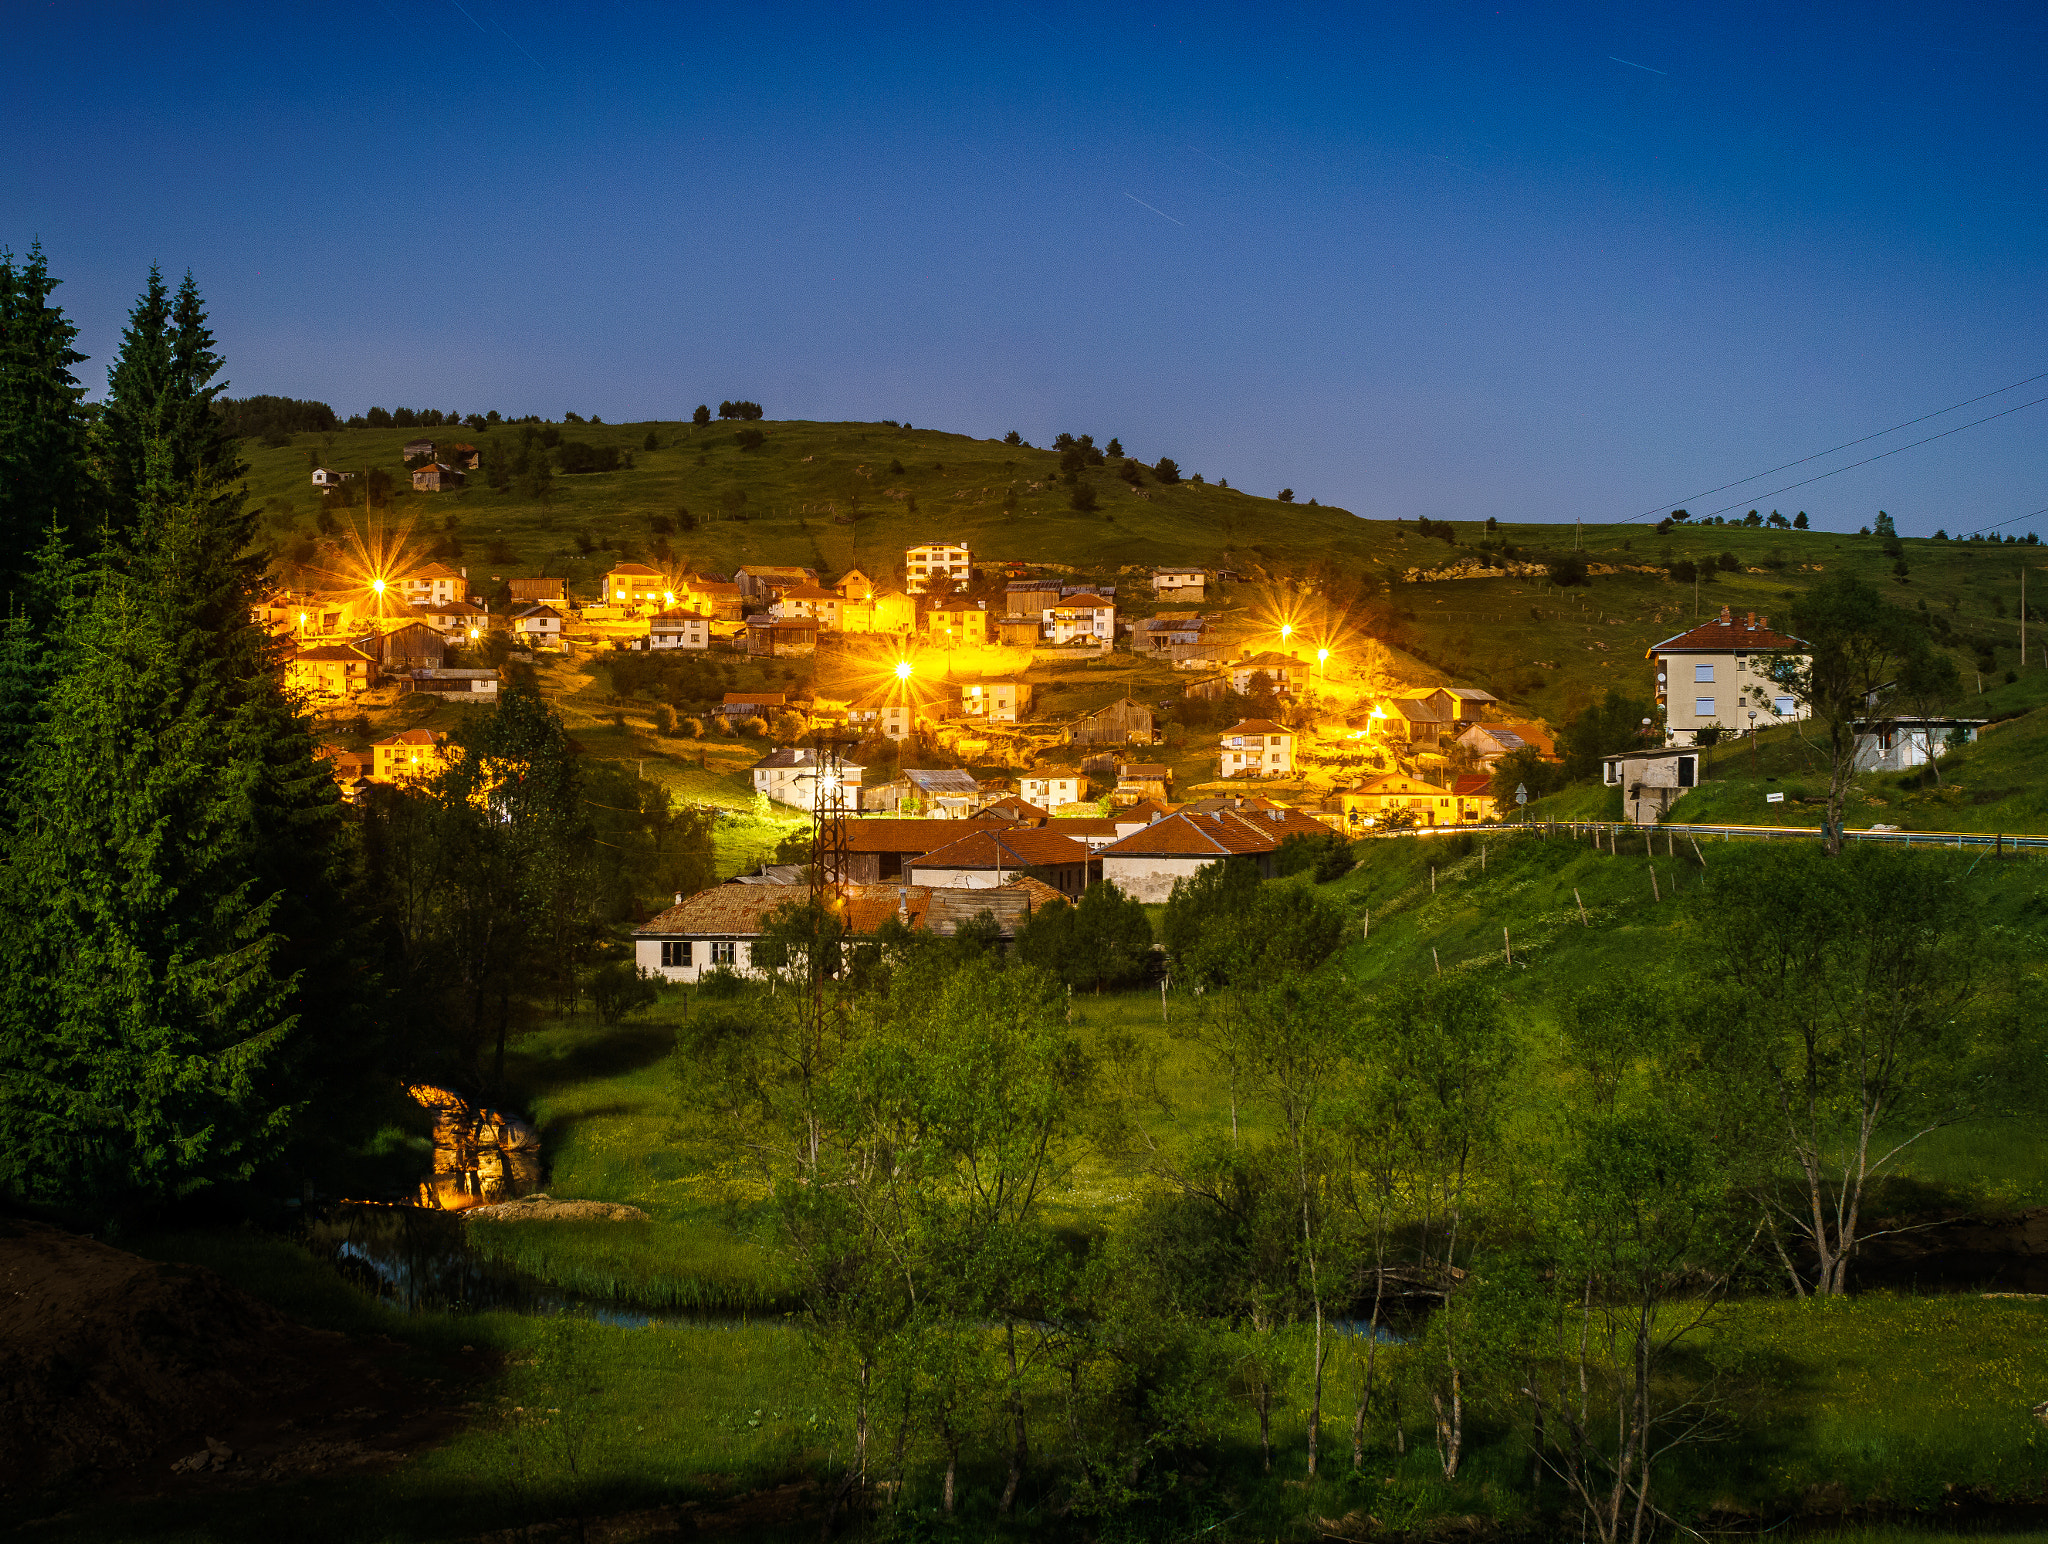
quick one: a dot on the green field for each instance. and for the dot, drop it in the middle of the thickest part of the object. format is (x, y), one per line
(1890, 1402)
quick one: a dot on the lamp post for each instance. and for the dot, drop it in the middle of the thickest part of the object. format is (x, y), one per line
(1322, 663)
(1752, 742)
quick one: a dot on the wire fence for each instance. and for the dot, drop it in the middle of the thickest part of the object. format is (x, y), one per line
(1999, 842)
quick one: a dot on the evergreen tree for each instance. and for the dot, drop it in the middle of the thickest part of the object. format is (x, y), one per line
(186, 971)
(44, 478)
(161, 392)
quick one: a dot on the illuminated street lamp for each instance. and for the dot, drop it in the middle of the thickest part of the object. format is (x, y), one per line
(1322, 661)
(1286, 632)
(903, 670)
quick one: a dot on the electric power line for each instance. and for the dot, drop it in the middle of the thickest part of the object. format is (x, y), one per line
(1824, 476)
(2015, 520)
(1847, 444)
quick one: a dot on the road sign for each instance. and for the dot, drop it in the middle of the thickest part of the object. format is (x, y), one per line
(1774, 798)
(1521, 793)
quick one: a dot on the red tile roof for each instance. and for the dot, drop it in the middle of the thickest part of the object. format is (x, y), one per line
(1727, 634)
(331, 651)
(906, 834)
(997, 849)
(1188, 835)
(1257, 726)
(1470, 784)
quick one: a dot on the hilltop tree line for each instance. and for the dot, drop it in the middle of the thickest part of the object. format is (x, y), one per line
(215, 968)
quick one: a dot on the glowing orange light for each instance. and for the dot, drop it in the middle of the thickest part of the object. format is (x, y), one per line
(903, 668)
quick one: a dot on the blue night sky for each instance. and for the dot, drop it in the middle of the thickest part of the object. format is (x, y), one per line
(1445, 260)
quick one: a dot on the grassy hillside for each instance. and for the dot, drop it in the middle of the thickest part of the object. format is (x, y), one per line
(830, 495)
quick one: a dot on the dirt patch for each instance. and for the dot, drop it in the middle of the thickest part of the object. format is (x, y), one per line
(546, 1209)
(149, 1377)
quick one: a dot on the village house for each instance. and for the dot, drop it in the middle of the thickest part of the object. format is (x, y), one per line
(437, 478)
(957, 622)
(895, 612)
(745, 705)
(946, 792)
(552, 591)
(887, 711)
(1002, 700)
(809, 600)
(883, 848)
(1651, 781)
(635, 589)
(1136, 780)
(435, 585)
(718, 599)
(1081, 620)
(1179, 584)
(327, 477)
(1284, 671)
(1488, 743)
(408, 646)
(1372, 800)
(789, 775)
(1705, 679)
(414, 449)
(350, 769)
(1176, 638)
(1019, 632)
(537, 626)
(992, 856)
(934, 561)
(855, 585)
(463, 456)
(465, 687)
(330, 672)
(1256, 747)
(1146, 863)
(718, 928)
(1473, 796)
(1901, 744)
(1051, 792)
(457, 620)
(303, 615)
(765, 582)
(1031, 597)
(678, 630)
(409, 755)
(1123, 722)
(1464, 704)
(772, 639)
(1018, 812)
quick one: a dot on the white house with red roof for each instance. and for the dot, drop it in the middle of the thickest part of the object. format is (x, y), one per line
(1256, 747)
(1148, 862)
(435, 585)
(1712, 675)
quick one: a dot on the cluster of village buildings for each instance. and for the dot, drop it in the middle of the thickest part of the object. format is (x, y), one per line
(937, 847)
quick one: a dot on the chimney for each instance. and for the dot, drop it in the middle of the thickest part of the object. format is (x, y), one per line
(679, 897)
(903, 905)
(1726, 616)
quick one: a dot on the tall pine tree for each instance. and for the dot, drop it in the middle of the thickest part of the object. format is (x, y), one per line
(45, 479)
(185, 974)
(160, 395)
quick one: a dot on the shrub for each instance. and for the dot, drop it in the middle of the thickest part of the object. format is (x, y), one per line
(756, 727)
(619, 989)
(749, 439)
(1286, 495)
(691, 729)
(1730, 563)
(664, 719)
(1082, 498)
(721, 983)
(722, 722)
(1567, 569)
(702, 416)
(1166, 470)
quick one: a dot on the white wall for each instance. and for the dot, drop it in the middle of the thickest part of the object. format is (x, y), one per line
(960, 879)
(1150, 879)
(647, 955)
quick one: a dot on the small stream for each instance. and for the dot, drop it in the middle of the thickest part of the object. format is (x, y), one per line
(420, 1260)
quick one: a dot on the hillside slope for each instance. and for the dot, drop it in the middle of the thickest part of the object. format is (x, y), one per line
(843, 495)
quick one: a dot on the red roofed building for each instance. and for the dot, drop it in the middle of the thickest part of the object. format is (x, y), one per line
(1712, 676)
(1256, 747)
(1148, 862)
(983, 859)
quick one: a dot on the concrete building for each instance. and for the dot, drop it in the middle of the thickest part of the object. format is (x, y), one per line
(936, 560)
(1650, 781)
(1712, 675)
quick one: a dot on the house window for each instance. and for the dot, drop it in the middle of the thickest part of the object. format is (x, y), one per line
(675, 954)
(1703, 673)
(723, 953)
(1703, 707)
(1785, 706)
